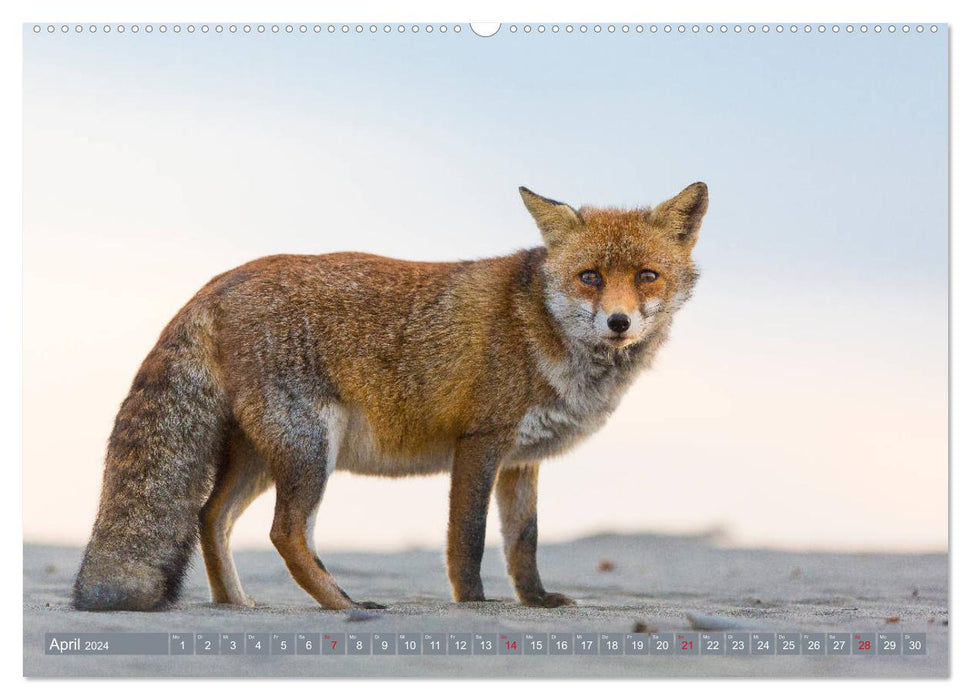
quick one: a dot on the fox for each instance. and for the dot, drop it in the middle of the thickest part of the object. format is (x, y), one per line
(291, 367)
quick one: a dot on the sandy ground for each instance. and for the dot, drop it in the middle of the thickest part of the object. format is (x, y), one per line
(657, 580)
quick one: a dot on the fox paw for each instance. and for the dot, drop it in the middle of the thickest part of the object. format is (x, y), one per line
(547, 600)
(244, 602)
(370, 605)
(474, 597)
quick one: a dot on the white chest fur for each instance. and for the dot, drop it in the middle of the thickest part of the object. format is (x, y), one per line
(588, 386)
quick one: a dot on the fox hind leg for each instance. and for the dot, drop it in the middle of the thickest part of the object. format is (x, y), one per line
(299, 445)
(243, 477)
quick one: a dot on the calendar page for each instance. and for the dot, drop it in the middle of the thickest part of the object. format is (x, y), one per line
(512, 350)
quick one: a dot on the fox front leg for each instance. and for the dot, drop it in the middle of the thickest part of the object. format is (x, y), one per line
(473, 475)
(516, 496)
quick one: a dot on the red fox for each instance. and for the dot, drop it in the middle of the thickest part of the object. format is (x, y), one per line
(289, 367)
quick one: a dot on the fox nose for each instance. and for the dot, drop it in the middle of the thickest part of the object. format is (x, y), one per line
(618, 323)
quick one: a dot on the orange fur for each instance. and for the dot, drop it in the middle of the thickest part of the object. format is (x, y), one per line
(298, 365)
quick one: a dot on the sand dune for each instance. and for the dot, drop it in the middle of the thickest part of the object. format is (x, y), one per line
(618, 580)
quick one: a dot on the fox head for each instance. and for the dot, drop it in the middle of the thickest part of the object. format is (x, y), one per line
(612, 276)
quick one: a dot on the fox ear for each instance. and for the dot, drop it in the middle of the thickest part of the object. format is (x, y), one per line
(554, 219)
(682, 214)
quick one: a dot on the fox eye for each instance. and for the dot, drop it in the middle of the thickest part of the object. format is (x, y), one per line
(591, 277)
(647, 276)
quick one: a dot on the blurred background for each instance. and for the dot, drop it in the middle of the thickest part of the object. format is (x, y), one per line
(802, 401)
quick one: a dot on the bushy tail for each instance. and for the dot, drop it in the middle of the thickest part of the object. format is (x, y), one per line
(159, 471)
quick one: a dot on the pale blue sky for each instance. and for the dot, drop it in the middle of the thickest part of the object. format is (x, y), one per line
(821, 148)
(808, 375)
